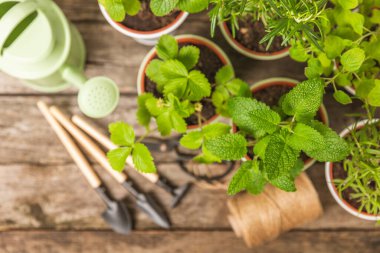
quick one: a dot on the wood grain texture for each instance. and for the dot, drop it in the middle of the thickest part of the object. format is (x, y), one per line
(185, 242)
(47, 206)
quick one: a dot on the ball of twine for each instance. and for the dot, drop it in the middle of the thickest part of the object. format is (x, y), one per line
(262, 218)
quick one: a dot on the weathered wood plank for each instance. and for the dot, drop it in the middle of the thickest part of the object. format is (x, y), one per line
(191, 241)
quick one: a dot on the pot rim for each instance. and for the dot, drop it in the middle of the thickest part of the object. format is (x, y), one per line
(248, 52)
(286, 82)
(144, 34)
(329, 177)
(197, 40)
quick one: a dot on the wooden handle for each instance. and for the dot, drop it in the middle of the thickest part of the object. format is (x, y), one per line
(95, 133)
(71, 147)
(87, 144)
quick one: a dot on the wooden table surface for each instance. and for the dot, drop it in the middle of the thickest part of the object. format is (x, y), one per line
(47, 206)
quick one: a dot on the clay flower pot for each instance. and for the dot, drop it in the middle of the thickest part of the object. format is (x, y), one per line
(264, 56)
(330, 180)
(289, 83)
(148, 38)
(183, 39)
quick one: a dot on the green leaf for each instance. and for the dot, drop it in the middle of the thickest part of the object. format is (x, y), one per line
(154, 106)
(189, 56)
(142, 159)
(353, 59)
(227, 147)
(192, 140)
(304, 99)
(162, 7)
(198, 86)
(172, 69)
(247, 177)
(117, 157)
(279, 158)
(335, 148)
(193, 6)
(178, 122)
(306, 138)
(164, 123)
(344, 79)
(239, 88)
(167, 47)
(297, 169)
(153, 71)
(314, 68)
(348, 4)
(342, 97)
(285, 183)
(261, 146)
(122, 134)
(143, 114)
(115, 8)
(298, 53)
(334, 46)
(253, 116)
(375, 18)
(224, 75)
(374, 94)
(364, 88)
(132, 7)
(206, 157)
(215, 130)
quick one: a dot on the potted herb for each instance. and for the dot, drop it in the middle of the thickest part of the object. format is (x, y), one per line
(263, 29)
(147, 20)
(349, 55)
(277, 135)
(355, 182)
(270, 91)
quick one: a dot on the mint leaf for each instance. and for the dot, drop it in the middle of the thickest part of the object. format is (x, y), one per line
(192, 140)
(374, 94)
(314, 68)
(142, 159)
(162, 7)
(253, 116)
(304, 99)
(247, 177)
(298, 53)
(227, 147)
(342, 97)
(154, 73)
(167, 47)
(193, 6)
(132, 7)
(353, 59)
(335, 148)
(215, 130)
(306, 138)
(334, 46)
(115, 8)
(122, 134)
(117, 157)
(364, 88)
(239, 88)
(261, 146)
(189, 56)
(279, 158)
(297, 169)
(207, 157)
(143, 114)
(224, 75)
(285, 183)
(198, 86)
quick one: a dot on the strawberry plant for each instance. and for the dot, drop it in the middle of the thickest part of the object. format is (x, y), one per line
(118, 9)
(277, 138)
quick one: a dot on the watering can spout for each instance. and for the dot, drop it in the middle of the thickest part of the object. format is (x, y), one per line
(73, 75)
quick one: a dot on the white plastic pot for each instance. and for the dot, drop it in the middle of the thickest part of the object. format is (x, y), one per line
(187, 38)
(267, 56)
(330, 179)
(148, 38)
(290, 83)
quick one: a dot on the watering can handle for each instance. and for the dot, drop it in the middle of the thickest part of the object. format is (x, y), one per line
(13, 18)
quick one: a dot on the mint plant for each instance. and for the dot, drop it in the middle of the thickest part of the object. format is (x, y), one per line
(277, 138)
(118, 9)
(183, 88)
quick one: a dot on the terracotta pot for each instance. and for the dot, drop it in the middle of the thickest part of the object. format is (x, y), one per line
(267, 56)
(148, 38)
(195, 40)
(290, 83)
(330, 180)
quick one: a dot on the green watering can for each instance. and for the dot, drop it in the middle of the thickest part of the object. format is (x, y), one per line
(39, 46)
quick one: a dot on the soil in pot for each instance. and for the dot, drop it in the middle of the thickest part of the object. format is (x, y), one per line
(251, 32)
(209, 64)
(145, 20)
